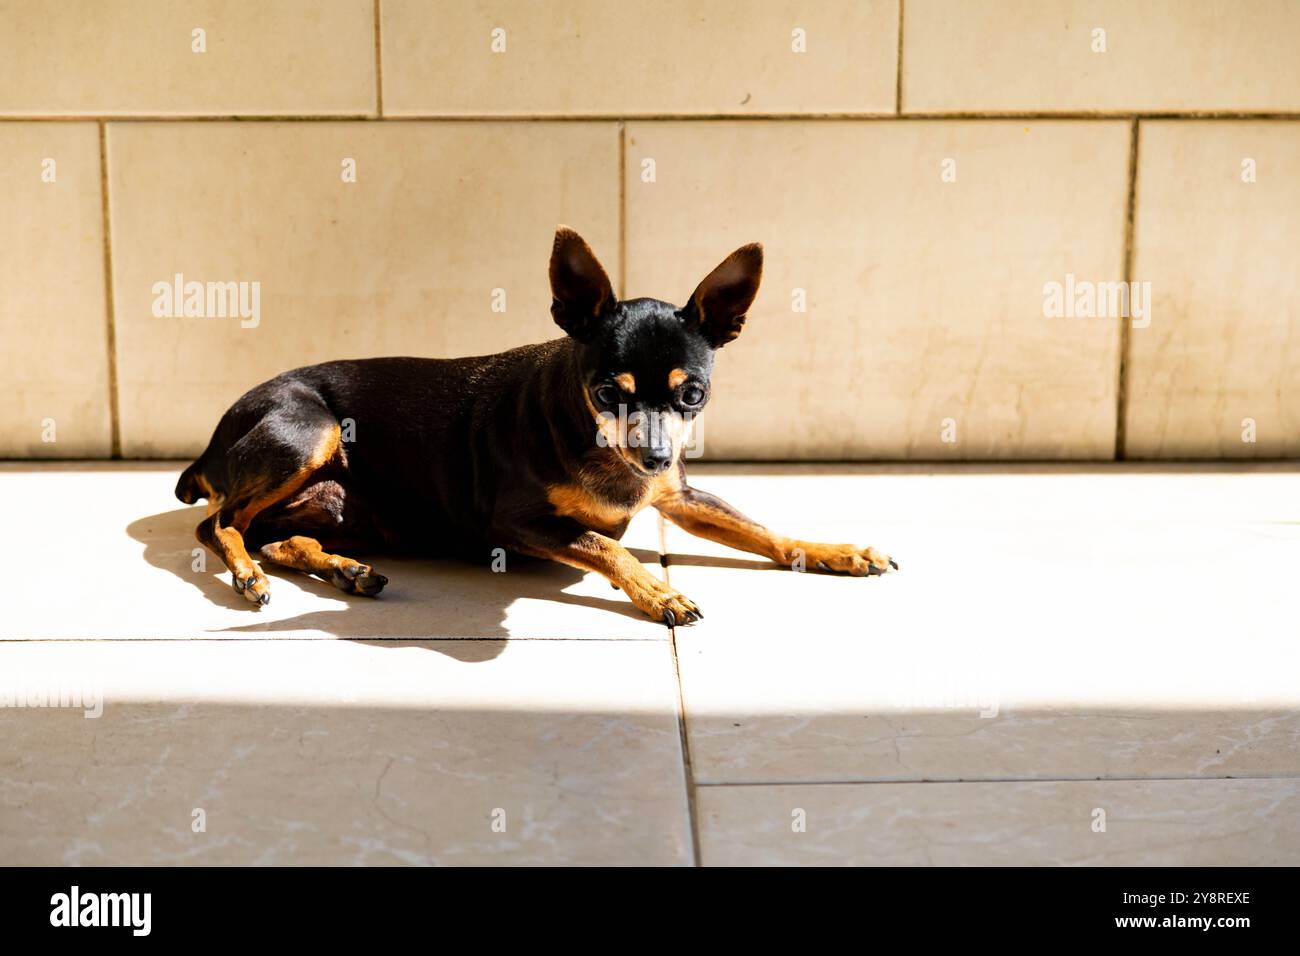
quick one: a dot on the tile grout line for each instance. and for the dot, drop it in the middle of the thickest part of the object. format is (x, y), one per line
(875, 466)
(355, 639)
(688, 770)
(622, 215)
(1174, 778)
(1191, 116)
(1121, 372)
(110, 313)
(898, 77)
(379, 65)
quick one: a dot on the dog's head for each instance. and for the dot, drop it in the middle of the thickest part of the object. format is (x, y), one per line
(645, 364)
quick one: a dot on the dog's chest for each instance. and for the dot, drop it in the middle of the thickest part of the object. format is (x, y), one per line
(594, 511)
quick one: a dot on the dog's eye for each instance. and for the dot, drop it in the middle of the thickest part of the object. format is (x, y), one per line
(692, 395)
(607, 395)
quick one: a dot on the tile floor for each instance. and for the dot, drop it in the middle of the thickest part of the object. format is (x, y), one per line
(1075, 665)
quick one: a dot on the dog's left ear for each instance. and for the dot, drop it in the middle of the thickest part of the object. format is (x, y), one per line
(720, 302)
(580, 291)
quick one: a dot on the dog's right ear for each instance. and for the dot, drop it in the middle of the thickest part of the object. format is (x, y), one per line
(581, 295)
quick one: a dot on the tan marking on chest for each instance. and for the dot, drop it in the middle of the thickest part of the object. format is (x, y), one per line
(665, 486)
(573, 500)
(576, 502)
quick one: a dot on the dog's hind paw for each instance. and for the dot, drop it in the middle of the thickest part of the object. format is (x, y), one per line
(253, 586)
(358, 579)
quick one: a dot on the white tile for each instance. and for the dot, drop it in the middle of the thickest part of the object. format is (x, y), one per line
(1068, 626)
(53, 307)
(1047, 55)
(445, 225)
(332, 752)
(124, 57)
(686, 57)
(902, 312)
(124, 567)
(1216, 372)
(1146, 823)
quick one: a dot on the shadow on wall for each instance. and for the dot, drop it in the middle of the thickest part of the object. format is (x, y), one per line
(424, 599)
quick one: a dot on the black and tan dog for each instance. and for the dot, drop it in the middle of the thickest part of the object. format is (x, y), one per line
(547, 450)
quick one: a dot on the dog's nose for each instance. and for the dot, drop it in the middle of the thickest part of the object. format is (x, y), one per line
(656, 461)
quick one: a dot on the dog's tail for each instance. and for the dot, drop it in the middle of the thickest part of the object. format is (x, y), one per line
(189, 489)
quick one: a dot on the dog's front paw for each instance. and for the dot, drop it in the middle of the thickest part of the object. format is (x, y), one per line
(847, 559)
(668, 607)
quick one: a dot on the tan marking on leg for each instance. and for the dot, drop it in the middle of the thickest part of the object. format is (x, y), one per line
(326, 450)
(226, 538)
(305, 554)
(703, 515)
(595, 552)
(733, 530)
(228, 545)
(302, 554)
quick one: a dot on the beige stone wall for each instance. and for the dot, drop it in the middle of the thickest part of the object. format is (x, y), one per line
(921, 172)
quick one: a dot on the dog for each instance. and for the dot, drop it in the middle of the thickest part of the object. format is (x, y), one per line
(546, 450)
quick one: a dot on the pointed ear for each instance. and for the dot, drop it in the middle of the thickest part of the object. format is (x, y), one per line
(580, 291)
(720, 302)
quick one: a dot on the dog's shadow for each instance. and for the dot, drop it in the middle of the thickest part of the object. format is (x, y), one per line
(463, 610)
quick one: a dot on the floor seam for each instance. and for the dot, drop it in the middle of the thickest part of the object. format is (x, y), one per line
(688, 772)
(887, 783)
(323, 640)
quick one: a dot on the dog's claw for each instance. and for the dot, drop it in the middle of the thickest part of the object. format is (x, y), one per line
(670, 619)
(893, 564)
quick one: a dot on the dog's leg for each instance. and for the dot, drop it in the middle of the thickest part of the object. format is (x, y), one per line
(305, 554)
(706, 516)
(265, 469)
(568, 543)
(217, 531)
